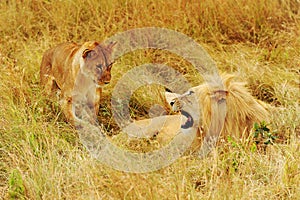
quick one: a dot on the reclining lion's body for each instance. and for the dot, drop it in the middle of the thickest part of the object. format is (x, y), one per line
(242, 111)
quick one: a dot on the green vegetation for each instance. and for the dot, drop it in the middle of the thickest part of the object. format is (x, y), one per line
(263, 132)
(41, 156)
(16, 187)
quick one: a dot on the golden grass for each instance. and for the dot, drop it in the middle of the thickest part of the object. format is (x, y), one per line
(41, 156)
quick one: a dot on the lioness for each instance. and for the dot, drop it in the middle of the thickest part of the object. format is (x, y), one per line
(78, 72)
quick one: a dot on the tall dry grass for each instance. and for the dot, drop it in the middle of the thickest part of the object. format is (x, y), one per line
(41, 156)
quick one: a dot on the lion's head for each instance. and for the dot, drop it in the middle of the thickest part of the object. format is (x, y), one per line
(96, 61)
(231, 100)
(188, 105)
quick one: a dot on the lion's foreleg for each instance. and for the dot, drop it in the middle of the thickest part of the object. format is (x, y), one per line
(97, 100)
(67, 108)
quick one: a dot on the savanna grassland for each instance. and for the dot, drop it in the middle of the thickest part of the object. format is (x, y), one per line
(41, 156)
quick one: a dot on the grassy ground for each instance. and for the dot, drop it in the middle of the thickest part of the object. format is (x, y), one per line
(41, 156)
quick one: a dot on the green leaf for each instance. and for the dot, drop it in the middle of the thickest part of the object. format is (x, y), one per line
(256, 126)
(253, 148)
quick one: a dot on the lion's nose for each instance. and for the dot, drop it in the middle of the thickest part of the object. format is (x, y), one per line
(172, 102)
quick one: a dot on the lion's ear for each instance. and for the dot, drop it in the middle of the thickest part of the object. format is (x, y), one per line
(87, 53)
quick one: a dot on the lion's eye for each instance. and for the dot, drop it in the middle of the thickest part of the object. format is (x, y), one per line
(189, 93)
(99, 66)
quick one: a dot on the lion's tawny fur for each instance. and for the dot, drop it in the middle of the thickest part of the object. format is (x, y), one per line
(243, 110)
(78, 71)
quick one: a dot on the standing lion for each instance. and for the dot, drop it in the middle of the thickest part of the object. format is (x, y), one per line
(78, 72)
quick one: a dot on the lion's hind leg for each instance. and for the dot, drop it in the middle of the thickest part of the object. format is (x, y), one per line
(47, 79)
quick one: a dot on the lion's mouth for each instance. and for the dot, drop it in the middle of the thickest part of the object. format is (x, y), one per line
(189, 122)
(98, 84)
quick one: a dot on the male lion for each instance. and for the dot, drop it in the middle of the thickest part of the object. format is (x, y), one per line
(228, 109)
(78, 72)
(242, 109)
